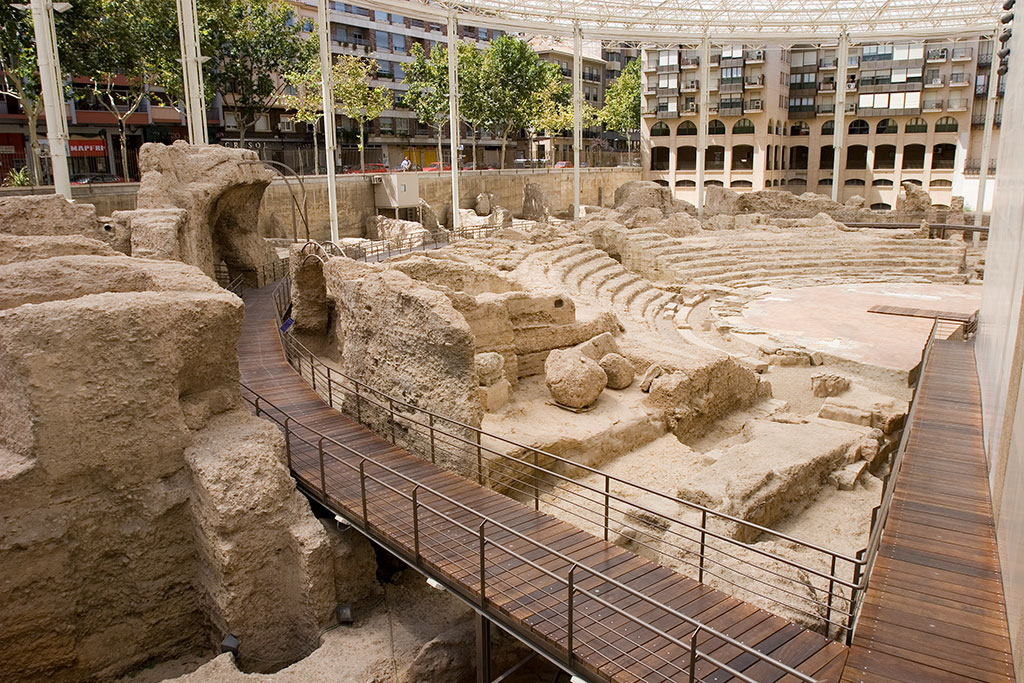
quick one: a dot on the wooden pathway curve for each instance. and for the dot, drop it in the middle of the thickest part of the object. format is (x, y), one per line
(618, 632)
(934, 608)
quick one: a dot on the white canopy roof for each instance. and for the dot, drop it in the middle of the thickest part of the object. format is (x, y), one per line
(726, 21)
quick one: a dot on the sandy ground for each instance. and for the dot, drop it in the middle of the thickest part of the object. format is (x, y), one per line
(834, 319)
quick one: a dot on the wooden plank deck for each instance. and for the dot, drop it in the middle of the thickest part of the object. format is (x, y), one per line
(922, 313)
(522, 598)
(934, 608)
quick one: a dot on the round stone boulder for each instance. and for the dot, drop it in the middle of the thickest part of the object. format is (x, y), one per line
(618, 370)
(490, 367)
(573, 379)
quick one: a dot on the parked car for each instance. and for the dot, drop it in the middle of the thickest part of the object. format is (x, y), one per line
(370, 168)
(436, 166)
(563, 164)
(95, 178)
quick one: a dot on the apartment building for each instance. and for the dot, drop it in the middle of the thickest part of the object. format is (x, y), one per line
(913, 112)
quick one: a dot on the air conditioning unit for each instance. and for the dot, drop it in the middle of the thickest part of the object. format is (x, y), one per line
(691, 106)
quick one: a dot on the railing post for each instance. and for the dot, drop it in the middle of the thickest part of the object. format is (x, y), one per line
(536, 479)
(831, 587)
(854, 594)
(483, 568)
(257, 406)
(330, 388)
(415, 524)
(362, 492)
(359, 405)
(430, 418)
(479, 461)
(323, 474)
(287, 442)
(693, 654)
(391, 416)
(570, 613)
(312, 372)
(703, 532)
(607, 490)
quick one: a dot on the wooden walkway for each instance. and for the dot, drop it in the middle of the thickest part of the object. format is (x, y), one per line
(528, 554)
(934, 608)
(922, 313)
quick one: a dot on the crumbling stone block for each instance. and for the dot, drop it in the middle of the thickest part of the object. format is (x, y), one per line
(619, 370)
(827, 384)
(573, 379)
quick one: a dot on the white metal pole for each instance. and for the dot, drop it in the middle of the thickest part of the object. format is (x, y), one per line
(53, 94)
(986, 141)
(577, 115)
(702, 118)
(330, 133)
(453, 115)
(192, 72)
(839, 116)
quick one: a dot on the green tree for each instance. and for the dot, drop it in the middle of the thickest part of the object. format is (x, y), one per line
(307, 102)
(474, 105)
(512, 76)
(427, 96)
(360, 102)
(621, 111)
(254, 40)
(120, 50)
(19, 71)
(554, 110)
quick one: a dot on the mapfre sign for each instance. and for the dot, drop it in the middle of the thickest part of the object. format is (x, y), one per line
(88, 148)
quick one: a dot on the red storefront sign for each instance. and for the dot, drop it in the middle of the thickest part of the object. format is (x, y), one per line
(88, 148)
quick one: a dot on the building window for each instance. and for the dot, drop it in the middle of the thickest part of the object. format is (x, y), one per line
(947, 124)
(887, 127)
(686, 158)
(659, 158)
(828, 156)
(913, 157)
(857, 157)
(885, 156)
(686, 128)
(859, 127)
(716, 127)
(659, 129)
(916, 125)
(714, 158)
(742, 158)
(743, 127)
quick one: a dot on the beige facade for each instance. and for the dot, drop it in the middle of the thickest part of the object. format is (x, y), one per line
(913, 112)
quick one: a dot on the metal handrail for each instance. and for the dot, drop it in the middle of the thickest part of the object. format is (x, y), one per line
(572, 586)
(940, 228)
(835, 595)
(382, 250)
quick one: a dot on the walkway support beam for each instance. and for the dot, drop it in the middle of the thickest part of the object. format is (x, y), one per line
(192, 72)
(702, 119)
(53, 94)
(839, 116)
(577, 116)
(453, 115)
(986, 140)
(330, 133)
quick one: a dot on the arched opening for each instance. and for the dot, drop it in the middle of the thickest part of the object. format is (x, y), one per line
(947, 124)
(716, 183)
(943, 156)
(714, 158)
(662, 182)
(885, 156)
(913, 156)
(743, 127)
(660, 129)
(941, 182)
(686, 183)
(854, 182)
(768, 158)
(825, 181)
(742, 158)
(798, 157)
(859, 127)
(799, 128)
(881, 182)
(828, 128)
(828, 156)
(686, 128)
(916, 125)
(857, 157)
(659, 158)
(913, 181)
(887, 127)
(881, 206)
(741, 183)
(716, 127)
(686, 158)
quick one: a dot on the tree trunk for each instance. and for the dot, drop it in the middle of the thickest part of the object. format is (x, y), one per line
(440, 150)
(362, 156)
(316, 152)
(504, 141)
(122, 127)
(35, 168)
(242, 125)
(472, 130)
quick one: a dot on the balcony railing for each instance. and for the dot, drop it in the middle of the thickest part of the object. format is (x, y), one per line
(985, 59)
(932, 105)
(827, 86)
(828, 63)
(753, 56)
(973, 167)
(851, 85)
(962, 54)
(689, 62)
(690, 86)
(756, 82)
(956, 105)
(978, 120)
(937, 55)
(753, 106)
(935, 82)
(959, 81)
(826, 109)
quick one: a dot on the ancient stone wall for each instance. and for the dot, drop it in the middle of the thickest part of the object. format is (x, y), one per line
(145, 513)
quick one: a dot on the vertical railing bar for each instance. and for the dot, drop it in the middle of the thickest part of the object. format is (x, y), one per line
(330, 388)
(693, 654)
(570, 613)
(362, 492)
(607, 490)
(391, 415)
(483, 568)
(433, 456)
(703, 547)
(312, 372)
(479, 460)
(257, 405)
(287, 442)
(323, 474)
(415, 524)
(536, 481)
(831, 587)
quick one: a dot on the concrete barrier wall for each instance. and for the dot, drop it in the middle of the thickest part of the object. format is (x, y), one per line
(355, 196)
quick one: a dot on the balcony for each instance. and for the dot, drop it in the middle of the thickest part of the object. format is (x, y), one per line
(937, 55)
(689, 62)
(980, 89)
(670, 91)
(828, 63)
(826, 109)
(932, 105)
(956, 105)
(978, 120)
(730, 109)
(753, 106)
(751, 83)
(810, 85)
(827, 86)
(801, 111)
(731, 85)
(614, 66)
(667, 114)
(851, 86)
(850, 108)
(959, 81)
(593, 78)
(668, 68)
(963, 54)
(935, 82)
(852, 62)
(985, 59)
(690, 109)
(713, 108)
(972, 167)
(753, 56)
(690, 86)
